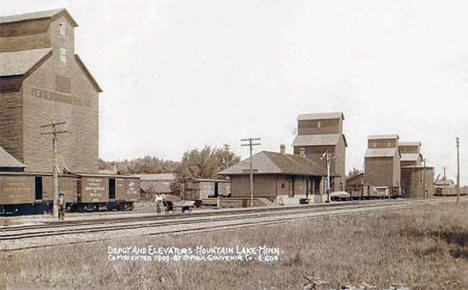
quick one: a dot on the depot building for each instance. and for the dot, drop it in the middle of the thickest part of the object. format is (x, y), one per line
(43, 80)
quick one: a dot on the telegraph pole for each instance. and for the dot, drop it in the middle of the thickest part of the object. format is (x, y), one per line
(424, 178)
(458, 170)
(55, 170)
(327, 155)
(251, 144)
(443, 187)
(225, 163)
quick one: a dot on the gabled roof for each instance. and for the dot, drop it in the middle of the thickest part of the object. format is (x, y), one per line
(38, 15)
(317, 140)
(321, 116)
(266, 162)
(17, 63)
(88, 74)
(410, 156)
(6, 160)
(380, 152)
(391, 136)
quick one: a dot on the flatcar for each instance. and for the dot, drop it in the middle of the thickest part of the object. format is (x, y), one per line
(23, 193)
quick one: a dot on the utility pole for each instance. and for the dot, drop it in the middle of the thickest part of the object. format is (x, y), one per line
(424, 177)
(225, 165)
(55, 170)
(458, 170)
(328, 156)
(443, 187)
(251, 144)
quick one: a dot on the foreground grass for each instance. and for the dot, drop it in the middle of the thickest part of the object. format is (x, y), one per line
(422, 248)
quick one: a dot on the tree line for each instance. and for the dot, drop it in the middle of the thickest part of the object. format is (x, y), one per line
(204, 162)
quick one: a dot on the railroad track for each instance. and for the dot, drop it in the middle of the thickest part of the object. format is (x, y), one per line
(161, 222)
(175, 216)
(172, 216)
(192, 224)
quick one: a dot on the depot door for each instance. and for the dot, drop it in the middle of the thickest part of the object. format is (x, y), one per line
(111, 188)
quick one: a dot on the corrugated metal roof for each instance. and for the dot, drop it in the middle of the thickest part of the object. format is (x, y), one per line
(6, 160)
(36, 15)
(390, 136)
(380, 152)
(266, 162)
(315, 140)
(409, 156)
(321, 116)
(20, 62)
(409, 143)
(158, 176)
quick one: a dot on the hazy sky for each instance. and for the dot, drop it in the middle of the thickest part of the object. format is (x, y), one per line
(181, 74)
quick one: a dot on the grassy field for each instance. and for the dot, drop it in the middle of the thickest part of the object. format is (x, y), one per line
(421, 248)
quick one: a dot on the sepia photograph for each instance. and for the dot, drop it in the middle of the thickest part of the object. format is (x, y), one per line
(250, 144)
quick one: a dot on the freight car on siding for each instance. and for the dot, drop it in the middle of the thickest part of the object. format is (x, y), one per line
(110, 191)
(198, 189)
(26, 193)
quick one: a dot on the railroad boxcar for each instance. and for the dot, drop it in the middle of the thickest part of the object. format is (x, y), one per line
(110, 191)
(22, 192)
(18, 191)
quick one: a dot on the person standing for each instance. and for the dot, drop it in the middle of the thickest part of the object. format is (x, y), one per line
(158, 200)
(61, 207)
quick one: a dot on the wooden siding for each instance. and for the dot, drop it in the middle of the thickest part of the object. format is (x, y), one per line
(382, 143)
(311, 127)
(79, 148)
(11, 124)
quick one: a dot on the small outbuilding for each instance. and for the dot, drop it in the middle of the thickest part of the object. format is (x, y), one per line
(444, 186)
